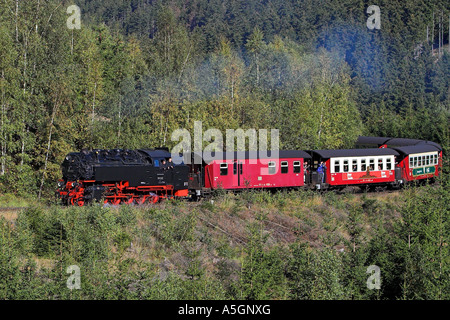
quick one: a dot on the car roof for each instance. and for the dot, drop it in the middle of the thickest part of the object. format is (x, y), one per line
(393, 142)
(339, 153)
(418, 148)
(208, 157)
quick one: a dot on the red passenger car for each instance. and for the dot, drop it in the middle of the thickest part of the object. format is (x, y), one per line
(418, 159)
(355, 167)
(259, 169)
(421, 161)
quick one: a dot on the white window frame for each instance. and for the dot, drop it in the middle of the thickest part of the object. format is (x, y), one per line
(338, 161)
(284, 164)
(389, 160)
(272, 165)
(353, 160)
(222, 167)
(422, 157)
(295, 165)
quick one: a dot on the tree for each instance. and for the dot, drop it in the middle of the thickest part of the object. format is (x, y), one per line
(8, 89)
(262, 273)
(420, 250)
(255, 45)
(315, 275)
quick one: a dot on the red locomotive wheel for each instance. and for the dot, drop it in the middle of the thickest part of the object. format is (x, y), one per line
(77, 202)
(153, 199)
(140, 201)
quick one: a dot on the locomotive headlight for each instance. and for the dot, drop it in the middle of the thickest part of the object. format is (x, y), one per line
(73, 184)
(60, 184)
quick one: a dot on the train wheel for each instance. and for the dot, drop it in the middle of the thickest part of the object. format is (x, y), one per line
(116, 202)
(153, 199)
(80, 202)
(140, 200)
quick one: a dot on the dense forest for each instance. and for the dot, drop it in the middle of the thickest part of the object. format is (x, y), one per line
(137, 70)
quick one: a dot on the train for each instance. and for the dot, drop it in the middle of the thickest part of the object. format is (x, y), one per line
(144, 176)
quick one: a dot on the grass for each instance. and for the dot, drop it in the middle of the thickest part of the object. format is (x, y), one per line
(9, 215)
(9, 200)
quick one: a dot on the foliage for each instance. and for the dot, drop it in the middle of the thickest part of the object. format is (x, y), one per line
(173, 251)
(138, 70)
(154, 67)
(262, 270)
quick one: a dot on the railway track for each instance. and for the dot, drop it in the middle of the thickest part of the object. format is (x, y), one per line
(3, 209)
(340, 192)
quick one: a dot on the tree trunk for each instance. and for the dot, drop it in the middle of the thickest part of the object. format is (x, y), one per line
(3, 133)
(118, 133)
(37, 15)
(17, 20)
(93, 102)
(24, 92)
(48, 146)
(432, 35)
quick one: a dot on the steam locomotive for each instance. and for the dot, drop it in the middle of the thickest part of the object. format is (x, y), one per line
(147, 176)
(121, 176)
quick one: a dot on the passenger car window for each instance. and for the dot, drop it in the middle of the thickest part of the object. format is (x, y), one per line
(371, 164)
(355, 165)
(296, 167)
(284, 167)
(345, 165)
(224, 169)
(337, 166)
(272, 168)
(389, 164)
(380, 164)
(363, 165)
